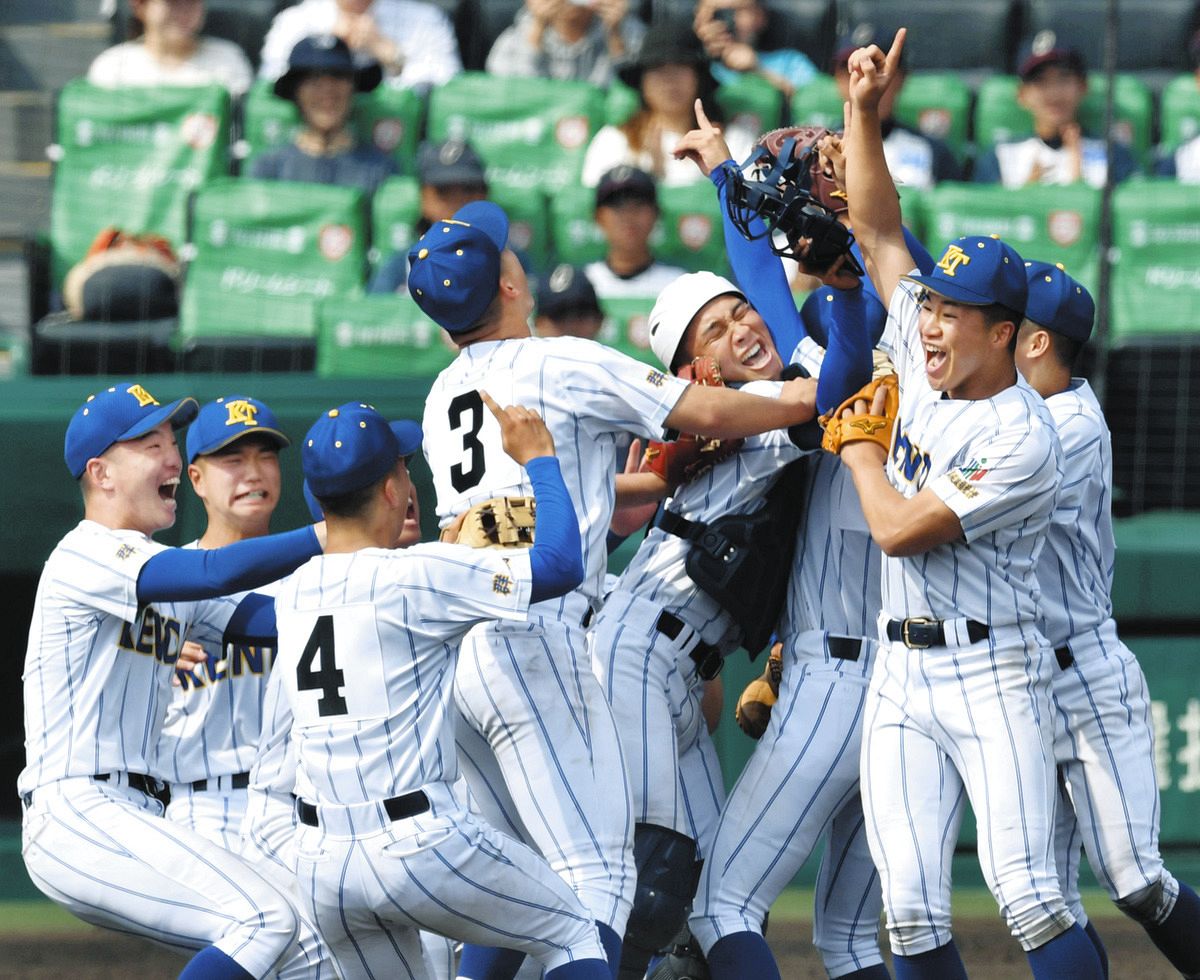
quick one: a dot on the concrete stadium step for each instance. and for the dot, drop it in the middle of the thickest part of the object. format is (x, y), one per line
(47, 56)
(25, 191)
(26, 126)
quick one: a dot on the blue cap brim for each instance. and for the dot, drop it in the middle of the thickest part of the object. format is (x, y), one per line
(951, 290)
(279, 438)
(179, 413)
(489, 218)
(408, 435)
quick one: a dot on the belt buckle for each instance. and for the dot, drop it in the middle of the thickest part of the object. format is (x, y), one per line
(916, 621)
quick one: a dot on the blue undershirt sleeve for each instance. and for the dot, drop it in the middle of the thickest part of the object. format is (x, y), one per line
(847, 363)
(556, 559)
(253, 620)
(181, 574)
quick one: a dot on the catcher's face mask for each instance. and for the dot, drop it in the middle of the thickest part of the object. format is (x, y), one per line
(782, 183)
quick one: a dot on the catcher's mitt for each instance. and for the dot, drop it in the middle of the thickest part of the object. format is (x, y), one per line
(754, 705)
(691, 456)
(501, 522)
(875, 428)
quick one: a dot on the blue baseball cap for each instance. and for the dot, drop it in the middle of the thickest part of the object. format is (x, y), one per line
(1058, 302)
(455, 265)
(228, 419)
(408, 435)
(978, 271)
(120, 413)
(348, 448)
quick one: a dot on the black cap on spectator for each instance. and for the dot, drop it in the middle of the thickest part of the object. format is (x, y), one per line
(324, 54)
(450, 163)
(1044, 50)
(565, 291)
(626, 183)
(669, 42)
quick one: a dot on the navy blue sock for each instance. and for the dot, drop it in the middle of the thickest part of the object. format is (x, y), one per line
(612, 945)
(211, 964)
(579, 970)
(489, 962)
(742, 954)
(1068, 956)
(942, 963)
(1176, 936)
(876, 972)
(1094, 936)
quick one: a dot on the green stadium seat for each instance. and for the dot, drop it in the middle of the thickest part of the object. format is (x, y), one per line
(577, 238)
(378, 337)
(129, 158)
(939, 105)
(265, 253)
(531, 132)
(395, 211)
(691, 226)
(626, 326)
(620, 103)
(752, 102)
(529, 221)
(1042, 222)
(999, 119)
(1156, 269)
(390, 119)
(818, 104)
(1180, 111)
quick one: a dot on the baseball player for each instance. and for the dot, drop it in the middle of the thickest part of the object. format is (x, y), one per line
(959, 700)
(543, 732)
(1104, 741)
(112, 610)
(367, 641)
(659, 636)
(210, 735)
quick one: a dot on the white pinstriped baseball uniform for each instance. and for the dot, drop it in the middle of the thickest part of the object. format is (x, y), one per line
(528, 688)
(1104, 736)
(367, 645)
(965, 716)
(649, 678)
(801, 783)
(97, 683)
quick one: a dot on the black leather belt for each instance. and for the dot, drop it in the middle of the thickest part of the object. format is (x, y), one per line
(1064, 656)
(396, 807)
(239, 780)
(919, 633)
(705, 656)
(844, 647)
(143, 784)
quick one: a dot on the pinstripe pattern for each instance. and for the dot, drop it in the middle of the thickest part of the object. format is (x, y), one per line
(443, 871)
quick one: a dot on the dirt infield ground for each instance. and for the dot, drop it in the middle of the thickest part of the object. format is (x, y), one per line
(90, 954)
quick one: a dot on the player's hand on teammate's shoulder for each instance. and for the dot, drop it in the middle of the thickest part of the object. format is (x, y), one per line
(522, 430)
(801, 395)
(872, 72)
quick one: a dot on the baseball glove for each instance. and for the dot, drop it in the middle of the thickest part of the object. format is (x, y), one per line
(501, 522)
(755, 702)
(840, 432)
(691, 456)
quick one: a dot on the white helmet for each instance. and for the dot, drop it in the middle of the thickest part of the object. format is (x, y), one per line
(677, 305)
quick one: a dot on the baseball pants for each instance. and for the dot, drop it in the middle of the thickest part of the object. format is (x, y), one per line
(214, 813)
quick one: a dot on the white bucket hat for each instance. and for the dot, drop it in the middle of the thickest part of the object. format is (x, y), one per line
(678, 304)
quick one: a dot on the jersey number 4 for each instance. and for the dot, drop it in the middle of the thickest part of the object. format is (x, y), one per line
(327, 678)
(466, 411)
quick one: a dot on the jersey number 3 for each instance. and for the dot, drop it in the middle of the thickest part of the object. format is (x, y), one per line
(327, 678)
(470, 405)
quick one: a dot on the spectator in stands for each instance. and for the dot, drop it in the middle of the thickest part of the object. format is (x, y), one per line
(321, 79)
(567, 305)
(451, 174)
(626, 212)
(413, 41)
(915, 159)
(1184, 161)
(1053, 85)
(167, 48)
(670, 73)
(732, 32)
(568, 41)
